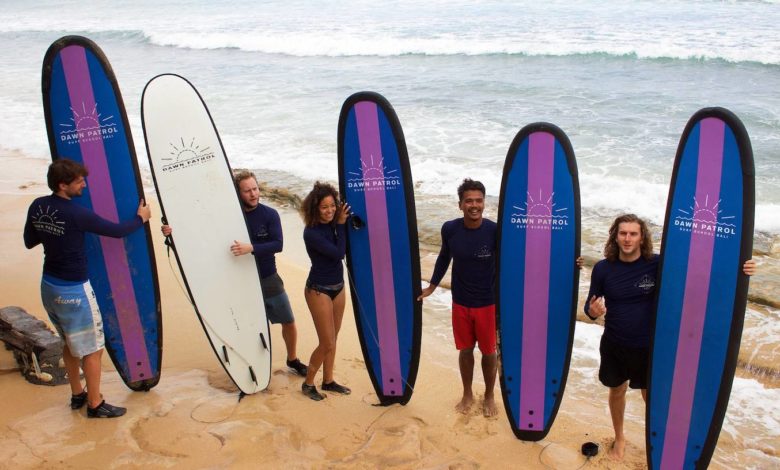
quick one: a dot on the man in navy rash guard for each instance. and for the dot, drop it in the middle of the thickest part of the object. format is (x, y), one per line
(59, 224)
(624, 283)
(265, 231)
(266, 239)
(470, 242)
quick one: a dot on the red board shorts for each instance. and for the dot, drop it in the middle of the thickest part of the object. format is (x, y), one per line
(472, 325)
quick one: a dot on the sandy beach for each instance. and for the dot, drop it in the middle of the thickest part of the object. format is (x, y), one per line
(193, 418)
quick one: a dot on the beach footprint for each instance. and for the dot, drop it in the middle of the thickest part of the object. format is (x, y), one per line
(389, 447)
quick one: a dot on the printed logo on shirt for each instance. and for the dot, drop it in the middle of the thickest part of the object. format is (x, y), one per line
(483, 253)
(539, 212)
(45, 220)
(262, 233)
(705, 218)
(373, 176)
(87, 125)
(185, 154)
(646, 283)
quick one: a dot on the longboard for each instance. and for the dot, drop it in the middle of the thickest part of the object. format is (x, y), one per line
(383, 257)
(86, 122)
(702, 294)
(536, 289)
(195, 187)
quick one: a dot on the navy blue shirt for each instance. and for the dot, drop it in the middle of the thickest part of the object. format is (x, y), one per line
(326, 247)
(265, 233)
(60, 224)
(472, 251)
(629, 295)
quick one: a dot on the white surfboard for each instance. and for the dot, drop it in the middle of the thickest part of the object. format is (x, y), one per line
(199, 201)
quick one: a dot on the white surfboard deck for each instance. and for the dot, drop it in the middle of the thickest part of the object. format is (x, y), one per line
(198, 198)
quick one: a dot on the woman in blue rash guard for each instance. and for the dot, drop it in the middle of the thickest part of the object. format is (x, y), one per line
(325, 239)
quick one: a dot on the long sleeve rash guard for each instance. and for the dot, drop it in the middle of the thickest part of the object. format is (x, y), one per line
(60, 224)
(472, 252)
(326, 247)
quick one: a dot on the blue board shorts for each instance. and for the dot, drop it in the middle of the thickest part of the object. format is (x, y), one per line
(74, 312)
(277, 304)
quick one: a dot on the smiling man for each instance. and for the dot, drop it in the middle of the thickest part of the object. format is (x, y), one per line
(624, 283)
(470, 241)
(622, 287)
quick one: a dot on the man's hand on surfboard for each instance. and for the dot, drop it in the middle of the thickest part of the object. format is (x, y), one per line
(427, 291)
(238, 248)
(749, 268)
(144, 211)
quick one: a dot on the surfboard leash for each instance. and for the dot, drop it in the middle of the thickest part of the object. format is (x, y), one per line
(587, 457)
(225, 344)
(360, 309)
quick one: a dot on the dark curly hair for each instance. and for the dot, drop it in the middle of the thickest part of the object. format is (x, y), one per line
(469, 184)
(64, 171)
(611, 248)
(310, 207)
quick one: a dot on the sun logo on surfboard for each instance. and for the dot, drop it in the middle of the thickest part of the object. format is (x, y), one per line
(539, 212)
(706, 218)
(87, 124)
(183, 154)
(45, 220)
(373, 176)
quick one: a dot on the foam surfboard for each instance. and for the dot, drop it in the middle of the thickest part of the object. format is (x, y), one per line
(86, 122)
(198, 198)
(702, 293)
(536, 289)
(382, 252)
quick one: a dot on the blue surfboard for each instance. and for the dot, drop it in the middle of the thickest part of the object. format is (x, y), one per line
(536, 290)
(383, 257)
(702, 294)
(86, 122)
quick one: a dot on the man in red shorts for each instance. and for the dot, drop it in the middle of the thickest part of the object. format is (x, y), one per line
(470, 241)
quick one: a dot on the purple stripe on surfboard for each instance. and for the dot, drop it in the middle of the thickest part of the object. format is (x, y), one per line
(379, 243)
(697, 282)
(541, 157)
(79, 84)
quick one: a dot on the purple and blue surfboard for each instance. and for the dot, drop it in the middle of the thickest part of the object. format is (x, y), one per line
(536, 288)
(702, 294)
(86, 122)
(383, 257)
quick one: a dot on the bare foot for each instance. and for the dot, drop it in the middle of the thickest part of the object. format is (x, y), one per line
(489, 408)
(617, 450)
(465, 404)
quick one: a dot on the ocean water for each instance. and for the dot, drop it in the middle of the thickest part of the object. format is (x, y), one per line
(621, 78)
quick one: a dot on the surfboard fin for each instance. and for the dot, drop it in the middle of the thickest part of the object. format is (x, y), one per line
(262, 340)
(252, 373)
(225, 354)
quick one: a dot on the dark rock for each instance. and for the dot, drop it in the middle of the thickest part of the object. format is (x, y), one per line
(32, 341)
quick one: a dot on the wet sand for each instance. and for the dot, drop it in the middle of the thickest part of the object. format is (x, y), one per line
(193, 418)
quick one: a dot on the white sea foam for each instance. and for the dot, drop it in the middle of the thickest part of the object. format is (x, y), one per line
(681, 30)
